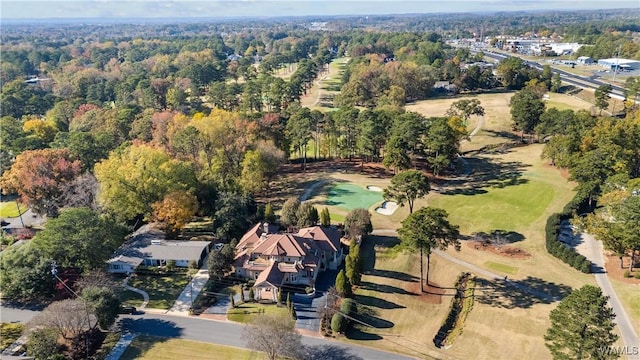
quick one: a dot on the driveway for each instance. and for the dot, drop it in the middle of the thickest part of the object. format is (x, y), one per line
(308, 308)
(592, 249)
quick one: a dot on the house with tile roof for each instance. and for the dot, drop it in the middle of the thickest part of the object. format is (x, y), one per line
(276, 259)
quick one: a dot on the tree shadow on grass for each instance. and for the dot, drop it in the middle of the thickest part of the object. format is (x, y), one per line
(377, 302)
(389, 289)
(523, 293)
(368, 249)
(486, 173)
(359, 333)
(329, 352)
(393, 275)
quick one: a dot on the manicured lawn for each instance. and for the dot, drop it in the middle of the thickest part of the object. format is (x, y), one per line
(350, 196)
(10, 332)
(497, 208)
(244, 313)
(501, 267)
(163, 290)
(154, 348)
(130, 298)
(8, 209)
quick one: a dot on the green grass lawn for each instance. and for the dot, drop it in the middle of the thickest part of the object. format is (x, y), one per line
(350, 196)
(498, 208)
(244, 313)
(130, 298)
(9, 333)
(154, 348)
(507, 269)
(8, 209)
(163, 290)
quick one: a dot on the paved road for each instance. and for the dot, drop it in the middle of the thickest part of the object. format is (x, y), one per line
(14, 314)
(230, 334)
(592, 249)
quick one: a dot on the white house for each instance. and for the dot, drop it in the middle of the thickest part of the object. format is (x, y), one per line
(147, 246)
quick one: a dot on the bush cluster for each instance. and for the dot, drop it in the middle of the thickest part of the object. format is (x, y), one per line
(552, 230)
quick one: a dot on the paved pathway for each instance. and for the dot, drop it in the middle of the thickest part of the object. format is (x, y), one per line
(593, 250)
(121, 346)
(185, 301)
(144, 294)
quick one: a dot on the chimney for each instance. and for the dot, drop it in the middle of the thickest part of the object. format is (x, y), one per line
(265, 227)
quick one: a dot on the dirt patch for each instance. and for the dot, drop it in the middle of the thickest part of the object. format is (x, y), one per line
(511, 252)
(432, 294)
(612, 265)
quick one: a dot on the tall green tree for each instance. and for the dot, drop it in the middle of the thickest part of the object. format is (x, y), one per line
(26, 273)
(428, 229)
(343, 286)
(325, 217)
(581, 326)
(406, 187)
(79, 238)
(289, 213)
(358, 224)
(602, 97)
(103, 302)
(526, 109)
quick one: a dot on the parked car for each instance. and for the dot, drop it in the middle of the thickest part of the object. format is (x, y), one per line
(127, 310)
(218, 246)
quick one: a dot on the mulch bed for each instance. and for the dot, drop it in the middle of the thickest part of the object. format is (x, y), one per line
(502, 250)
(612, 265)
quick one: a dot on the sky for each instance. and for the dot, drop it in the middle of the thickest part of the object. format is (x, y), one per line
(43, 9)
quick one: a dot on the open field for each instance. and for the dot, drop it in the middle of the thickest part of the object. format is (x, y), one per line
(245, 313)
(154, 348)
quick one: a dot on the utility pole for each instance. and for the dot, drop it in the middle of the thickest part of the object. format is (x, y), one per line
(20, 214)
(54, 272)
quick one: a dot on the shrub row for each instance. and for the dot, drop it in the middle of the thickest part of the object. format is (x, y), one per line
(461, 304)
(552, 230)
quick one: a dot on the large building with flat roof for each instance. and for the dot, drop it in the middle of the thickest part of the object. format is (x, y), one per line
(618, 63)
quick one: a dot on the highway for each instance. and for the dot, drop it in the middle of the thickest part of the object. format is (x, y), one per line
(567, 77)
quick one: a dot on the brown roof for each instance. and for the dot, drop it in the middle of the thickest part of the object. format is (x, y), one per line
(271, 276)
(280, 244)
(251, 237)
(327, 239)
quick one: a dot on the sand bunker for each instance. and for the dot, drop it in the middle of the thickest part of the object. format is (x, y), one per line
(374, 188)
(387, 208)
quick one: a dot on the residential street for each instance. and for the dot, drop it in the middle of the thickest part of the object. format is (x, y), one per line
(227, 333)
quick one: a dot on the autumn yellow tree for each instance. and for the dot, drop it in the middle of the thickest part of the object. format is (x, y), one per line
(133, 179)
(175, 210)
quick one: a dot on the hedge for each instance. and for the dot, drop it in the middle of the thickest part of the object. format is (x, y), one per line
(552, 230)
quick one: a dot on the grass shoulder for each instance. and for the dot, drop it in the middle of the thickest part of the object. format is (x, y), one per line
(149, 347)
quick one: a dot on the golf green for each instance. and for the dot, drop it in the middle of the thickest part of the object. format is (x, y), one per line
(349, 196)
